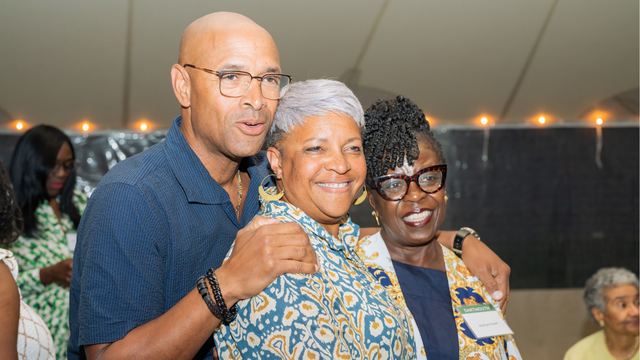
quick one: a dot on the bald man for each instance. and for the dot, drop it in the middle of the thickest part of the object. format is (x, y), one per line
(161, 219)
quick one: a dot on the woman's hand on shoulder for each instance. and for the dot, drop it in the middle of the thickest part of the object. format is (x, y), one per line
(483, 263)
(489, 268)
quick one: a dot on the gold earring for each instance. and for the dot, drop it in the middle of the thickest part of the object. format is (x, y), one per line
(601, 323)
(375, 216)
(362, 197)
(268, 197)
(446, 198)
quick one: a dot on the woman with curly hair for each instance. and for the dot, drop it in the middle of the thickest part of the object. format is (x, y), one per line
(43, 176)
(23, 334)
(406, 173)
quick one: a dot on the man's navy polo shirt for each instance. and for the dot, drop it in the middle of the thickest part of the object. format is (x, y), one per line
(156, 222)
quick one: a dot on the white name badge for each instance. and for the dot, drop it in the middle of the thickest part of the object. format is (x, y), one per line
(484, 321)
(71, 241)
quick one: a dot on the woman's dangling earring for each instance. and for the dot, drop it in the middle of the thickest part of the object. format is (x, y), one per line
(362, 197)
(268, 197)
(375, 215)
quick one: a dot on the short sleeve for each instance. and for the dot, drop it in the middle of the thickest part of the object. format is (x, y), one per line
(118, 271)
(6, 256)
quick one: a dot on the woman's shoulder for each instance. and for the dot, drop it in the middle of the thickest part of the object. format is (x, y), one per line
(79, 199)
(586, 348)
(8, 259)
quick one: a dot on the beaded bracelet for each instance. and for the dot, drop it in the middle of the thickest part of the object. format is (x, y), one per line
(228, 315)
(204, 292)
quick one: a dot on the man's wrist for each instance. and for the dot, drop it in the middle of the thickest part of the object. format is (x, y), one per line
(227, 288)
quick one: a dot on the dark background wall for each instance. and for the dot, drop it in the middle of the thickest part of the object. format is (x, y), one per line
(542, 204)
(539, 201)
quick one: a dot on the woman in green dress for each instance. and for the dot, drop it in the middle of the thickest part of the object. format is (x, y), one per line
(43, 176)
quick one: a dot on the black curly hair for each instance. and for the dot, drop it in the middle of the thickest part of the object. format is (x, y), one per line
(392, 129)
(10, 215)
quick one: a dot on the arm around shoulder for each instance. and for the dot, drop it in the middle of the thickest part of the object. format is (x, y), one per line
(483, 263)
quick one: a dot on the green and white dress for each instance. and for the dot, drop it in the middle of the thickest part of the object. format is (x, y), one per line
(50, 247)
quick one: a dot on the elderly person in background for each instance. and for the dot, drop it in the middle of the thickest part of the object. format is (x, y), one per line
(611, 296)
(315, 150)
(406, 173)
(23, 334)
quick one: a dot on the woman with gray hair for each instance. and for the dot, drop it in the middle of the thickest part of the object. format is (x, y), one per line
(315, 151)
(611, 296)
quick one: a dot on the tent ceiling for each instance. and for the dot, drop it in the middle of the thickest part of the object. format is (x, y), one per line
(64, 61)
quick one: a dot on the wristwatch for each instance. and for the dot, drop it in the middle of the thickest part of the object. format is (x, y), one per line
(459, 239)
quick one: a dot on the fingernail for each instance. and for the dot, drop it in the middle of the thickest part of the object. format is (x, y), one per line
(497, 295)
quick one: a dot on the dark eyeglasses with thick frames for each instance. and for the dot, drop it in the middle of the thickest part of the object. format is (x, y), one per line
(236, 83)
(395, 186)
(68, 167)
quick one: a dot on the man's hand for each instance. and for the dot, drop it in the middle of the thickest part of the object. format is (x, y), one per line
(59, 273)
(264, 250)
(489, 268)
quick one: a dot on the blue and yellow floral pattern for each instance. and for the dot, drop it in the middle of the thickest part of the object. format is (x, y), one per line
(464, 288)
(341, 312)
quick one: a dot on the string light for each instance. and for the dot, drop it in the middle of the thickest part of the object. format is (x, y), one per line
(85, 127)
(599, 121)
(143, 126)
(542, 120)
(484, 121)
(19, 125)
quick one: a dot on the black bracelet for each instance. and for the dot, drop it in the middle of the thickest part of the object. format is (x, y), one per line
(228, 315)
(204, 292)
(459, 239)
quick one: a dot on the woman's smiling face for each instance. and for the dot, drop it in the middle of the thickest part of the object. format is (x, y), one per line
(415, 219)
(321, 166)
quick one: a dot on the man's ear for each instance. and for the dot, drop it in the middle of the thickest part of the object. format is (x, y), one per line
(181, 85)
(275, 160)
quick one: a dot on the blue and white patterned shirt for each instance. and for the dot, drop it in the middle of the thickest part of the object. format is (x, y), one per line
(341, 312)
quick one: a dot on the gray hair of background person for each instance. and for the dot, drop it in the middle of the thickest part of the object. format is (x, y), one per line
(313, 98)
(605, 277)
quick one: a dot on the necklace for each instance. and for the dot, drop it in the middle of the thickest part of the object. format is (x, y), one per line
(239, 194)
(626, 356)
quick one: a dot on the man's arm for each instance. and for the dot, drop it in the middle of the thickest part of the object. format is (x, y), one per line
(180, 332)
(481, 261)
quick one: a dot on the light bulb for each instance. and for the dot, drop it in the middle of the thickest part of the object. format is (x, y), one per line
(599, 121)
(85, 127)
(19, 125)
(143, 126)
(542, 120)
(484, 121)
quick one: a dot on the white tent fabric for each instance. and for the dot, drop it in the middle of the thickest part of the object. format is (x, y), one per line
(64, 61)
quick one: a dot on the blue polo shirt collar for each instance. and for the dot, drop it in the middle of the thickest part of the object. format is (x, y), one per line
(190, 172)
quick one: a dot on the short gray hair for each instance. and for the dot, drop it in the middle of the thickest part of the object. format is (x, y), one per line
(604, 278)
(313, 98)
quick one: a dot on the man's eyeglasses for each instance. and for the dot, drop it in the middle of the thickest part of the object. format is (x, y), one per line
(395, 187)
(236, 83)
(68, 167)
